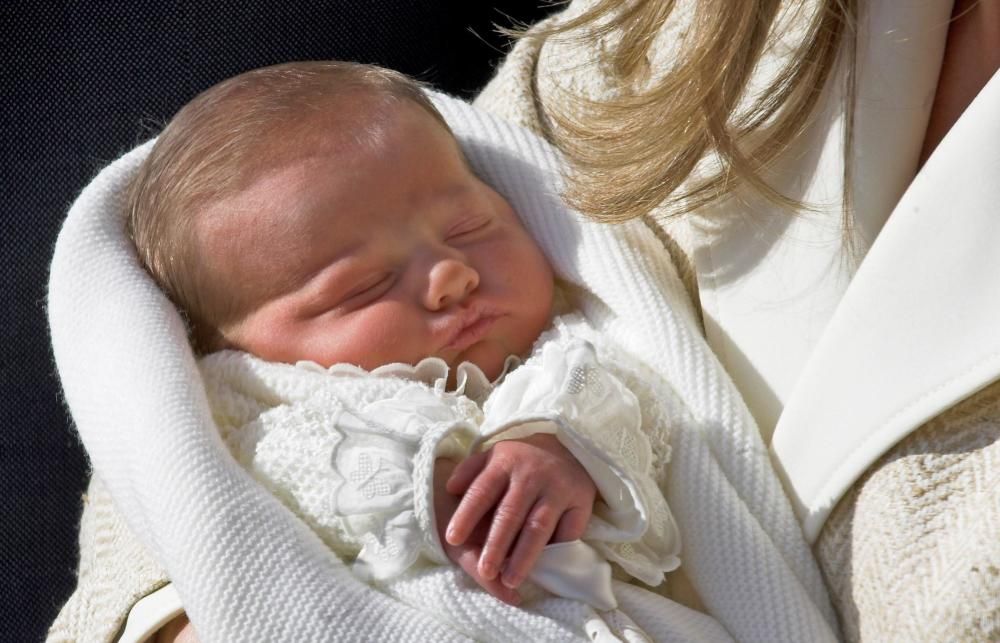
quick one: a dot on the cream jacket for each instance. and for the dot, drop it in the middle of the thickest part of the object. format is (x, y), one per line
(838, 365)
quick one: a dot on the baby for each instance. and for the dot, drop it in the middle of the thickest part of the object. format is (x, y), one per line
(323, 214)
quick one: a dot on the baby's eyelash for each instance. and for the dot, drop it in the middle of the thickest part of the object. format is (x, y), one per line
(372, 285)
(469, 226)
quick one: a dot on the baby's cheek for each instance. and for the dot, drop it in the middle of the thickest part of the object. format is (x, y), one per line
(378, 335)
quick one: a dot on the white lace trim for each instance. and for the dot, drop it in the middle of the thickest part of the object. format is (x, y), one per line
(433, 371)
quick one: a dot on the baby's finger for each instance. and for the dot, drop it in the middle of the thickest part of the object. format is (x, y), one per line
(465, 473)
(535, 534)
(467, 558)
(481, 496)
(507, 520)
(572, 525)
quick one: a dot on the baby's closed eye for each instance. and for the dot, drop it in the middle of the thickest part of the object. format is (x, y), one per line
(469, 227)
(367, 290)
(347, 294)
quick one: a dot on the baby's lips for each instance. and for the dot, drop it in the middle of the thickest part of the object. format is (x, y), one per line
(450, 328)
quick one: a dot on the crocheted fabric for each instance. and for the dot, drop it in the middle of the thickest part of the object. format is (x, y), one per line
(352, 453)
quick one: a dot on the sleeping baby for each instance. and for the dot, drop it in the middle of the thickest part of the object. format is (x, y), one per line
(385, 349)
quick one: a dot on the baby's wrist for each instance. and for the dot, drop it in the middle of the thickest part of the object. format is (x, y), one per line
(442, 469)
(444, 503)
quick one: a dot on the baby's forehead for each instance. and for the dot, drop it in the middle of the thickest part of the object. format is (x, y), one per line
(305, 177)
(346, 132)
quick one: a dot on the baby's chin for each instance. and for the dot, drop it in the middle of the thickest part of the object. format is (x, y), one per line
(488, 356)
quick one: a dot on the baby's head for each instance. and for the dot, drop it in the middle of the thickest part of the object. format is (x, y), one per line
(323, 211)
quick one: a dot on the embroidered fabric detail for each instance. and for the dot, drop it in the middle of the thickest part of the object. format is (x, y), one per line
(563, 389)
(580, 377)
(359, 474)
(353, 451)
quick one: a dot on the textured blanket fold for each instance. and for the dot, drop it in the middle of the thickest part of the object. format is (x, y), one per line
(247, 569)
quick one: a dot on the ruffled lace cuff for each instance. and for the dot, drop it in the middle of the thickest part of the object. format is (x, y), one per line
(563, 390)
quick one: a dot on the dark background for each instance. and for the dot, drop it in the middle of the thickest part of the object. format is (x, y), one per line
(81, 82)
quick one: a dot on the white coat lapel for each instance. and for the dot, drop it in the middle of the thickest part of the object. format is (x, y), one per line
(770, 282)
(917, 330)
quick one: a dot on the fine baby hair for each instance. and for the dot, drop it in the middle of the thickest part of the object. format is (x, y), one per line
(216, 145)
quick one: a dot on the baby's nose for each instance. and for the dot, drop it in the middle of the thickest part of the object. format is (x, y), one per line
(450, 281)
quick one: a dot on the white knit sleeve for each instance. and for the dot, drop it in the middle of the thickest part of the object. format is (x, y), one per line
(563, 390)
(361, 478)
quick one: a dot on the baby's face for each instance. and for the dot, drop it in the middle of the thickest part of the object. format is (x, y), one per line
(386, 250)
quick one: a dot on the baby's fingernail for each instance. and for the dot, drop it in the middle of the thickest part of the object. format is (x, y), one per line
(510, 581)
(488, 571)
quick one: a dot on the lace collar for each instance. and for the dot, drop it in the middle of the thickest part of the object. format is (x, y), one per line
(470, 380)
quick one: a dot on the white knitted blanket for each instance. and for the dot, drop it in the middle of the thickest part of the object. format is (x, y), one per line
(247, 569)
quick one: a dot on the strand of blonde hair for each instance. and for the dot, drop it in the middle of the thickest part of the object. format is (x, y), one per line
(622, 170)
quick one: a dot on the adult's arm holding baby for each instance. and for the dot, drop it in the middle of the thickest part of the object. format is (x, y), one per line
(178, 630)
(115, 571)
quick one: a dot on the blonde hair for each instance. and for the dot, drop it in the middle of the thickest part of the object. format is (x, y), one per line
(213, 148)
(636, 151)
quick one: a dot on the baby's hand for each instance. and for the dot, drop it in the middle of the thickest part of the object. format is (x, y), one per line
(465, 555)
(538, 493)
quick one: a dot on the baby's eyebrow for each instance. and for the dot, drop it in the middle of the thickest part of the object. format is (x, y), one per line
(459, 203)
(454, 191)
(458, 189)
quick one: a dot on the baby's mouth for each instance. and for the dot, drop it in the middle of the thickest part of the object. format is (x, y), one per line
(469, 329)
